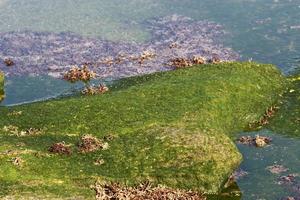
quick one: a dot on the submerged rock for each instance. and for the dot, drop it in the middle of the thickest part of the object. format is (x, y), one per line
(291, 183)
(171, 37)
(277, 169)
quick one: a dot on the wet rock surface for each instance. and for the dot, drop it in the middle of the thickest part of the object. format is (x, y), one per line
(174, 36)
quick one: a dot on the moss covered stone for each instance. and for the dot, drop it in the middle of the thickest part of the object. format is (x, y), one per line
(171, 128)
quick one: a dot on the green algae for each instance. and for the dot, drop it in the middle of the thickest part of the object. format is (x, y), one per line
(287, 120)
(171, 128)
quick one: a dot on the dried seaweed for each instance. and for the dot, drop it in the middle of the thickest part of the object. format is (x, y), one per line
(76, 73)
(258, 141)
(14, 130)
(93, 90)
(144, 191)
(9, 62)
(60, 148)
(89, 143)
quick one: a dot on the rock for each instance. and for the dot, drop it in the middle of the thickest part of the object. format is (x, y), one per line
(277, 169)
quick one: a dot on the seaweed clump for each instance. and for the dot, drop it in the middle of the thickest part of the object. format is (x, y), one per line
(142, 191)
(179, 63)
(258, 141)
(76, 73)
(9, 62)
(89, 143)
(85, 75)
(14, 130)
(92, 90)
(60, 148)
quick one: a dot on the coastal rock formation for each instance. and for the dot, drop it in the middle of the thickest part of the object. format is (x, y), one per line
(171, 37)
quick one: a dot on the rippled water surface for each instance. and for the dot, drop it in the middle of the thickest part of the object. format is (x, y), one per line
(260, 183)
(263, 30)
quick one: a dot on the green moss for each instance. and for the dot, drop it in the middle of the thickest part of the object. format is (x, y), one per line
(287, 120)
(171, 128)
(1, 86)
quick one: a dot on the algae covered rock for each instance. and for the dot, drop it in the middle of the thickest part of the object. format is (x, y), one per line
(172, 128)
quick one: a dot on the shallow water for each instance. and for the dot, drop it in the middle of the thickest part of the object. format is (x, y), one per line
(260, 183)
(263, 30)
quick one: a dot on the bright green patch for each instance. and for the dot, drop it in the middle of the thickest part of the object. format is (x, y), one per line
(171, 128)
